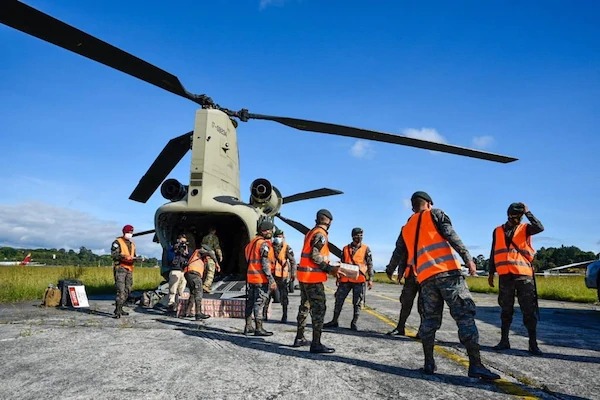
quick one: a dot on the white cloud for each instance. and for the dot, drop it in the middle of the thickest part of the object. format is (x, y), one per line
(40, 225)
(362, 149)
(425, 134)
(482, 142)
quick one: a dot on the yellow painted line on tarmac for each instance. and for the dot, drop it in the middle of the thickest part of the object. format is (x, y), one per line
(504, 385)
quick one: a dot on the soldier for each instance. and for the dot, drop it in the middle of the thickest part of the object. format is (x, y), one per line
(426, 241)
(193, 271)
(312, 272)
(260, 257)
(177, 280)
(511, 257)
(123, 254)
(407, 296)
(284, 264)
(212, 240)
(356, 253)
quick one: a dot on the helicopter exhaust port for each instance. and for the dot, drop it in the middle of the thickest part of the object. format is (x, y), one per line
(173, 190)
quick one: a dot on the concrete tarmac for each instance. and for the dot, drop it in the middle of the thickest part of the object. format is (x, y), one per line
(82, 354)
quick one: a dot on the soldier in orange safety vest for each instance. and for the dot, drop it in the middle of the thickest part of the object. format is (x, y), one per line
(356, 253)
(283, 271)
(123, 254)
(511, 258)
(312, 272)
(260, 257)
(427, 242)
(193, 272)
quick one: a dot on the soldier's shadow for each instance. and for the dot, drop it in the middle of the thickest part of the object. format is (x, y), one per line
(200, 330)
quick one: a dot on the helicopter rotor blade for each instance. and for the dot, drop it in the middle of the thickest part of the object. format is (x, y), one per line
(312, 194)
(168, 158)
(142, 233)
(342, 130)
(304, 230)
(35, 23)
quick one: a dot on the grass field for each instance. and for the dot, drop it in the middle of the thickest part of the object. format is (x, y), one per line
(564, 288)
(19, 283)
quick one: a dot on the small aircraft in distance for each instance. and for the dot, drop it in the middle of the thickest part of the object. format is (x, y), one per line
(25, 261)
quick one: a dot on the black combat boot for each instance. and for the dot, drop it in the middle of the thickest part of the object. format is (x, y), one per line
(117, 311)
(334, 322)
(260, 331)
(397, 331)
(504, 344)
(476, 368)
(248, 329)
(284, 315)
(199, 314)
(317, 347)
(300, 340)
(533, 346)
(429, 366)
(355, 318)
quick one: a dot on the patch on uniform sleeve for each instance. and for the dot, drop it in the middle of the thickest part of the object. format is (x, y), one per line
(264, 249)
(115, 245)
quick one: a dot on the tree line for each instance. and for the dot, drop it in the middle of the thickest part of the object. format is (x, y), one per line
(550, 257)
(83, 258)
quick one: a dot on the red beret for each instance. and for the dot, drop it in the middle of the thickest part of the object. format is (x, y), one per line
(127, 228)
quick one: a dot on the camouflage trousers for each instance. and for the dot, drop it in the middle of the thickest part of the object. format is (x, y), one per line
(194, 282)
(453, 290)
(523, 287)
(283, 288)
(210, 273)
(257, 298)
(358, 296)
(407, 299)
(123, 284)
(312, 300)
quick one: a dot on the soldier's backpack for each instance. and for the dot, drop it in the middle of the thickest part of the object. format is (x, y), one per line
(52, 297)
(149, 299)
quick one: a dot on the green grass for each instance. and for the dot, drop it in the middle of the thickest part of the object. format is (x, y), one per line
(19, 283)
(563, 288)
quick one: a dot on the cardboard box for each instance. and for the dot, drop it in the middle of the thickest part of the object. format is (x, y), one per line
(217, 308)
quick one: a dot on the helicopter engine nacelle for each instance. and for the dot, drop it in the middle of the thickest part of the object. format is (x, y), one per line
(173, 190)
(265, 197)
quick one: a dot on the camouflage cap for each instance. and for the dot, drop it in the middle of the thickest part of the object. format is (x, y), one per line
(278, 232)
(356, 231)
(421, 195)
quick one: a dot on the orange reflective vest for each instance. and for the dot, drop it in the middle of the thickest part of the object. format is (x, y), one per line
(308, 270)
(357, 259)
(255, 273)
(128, 265)
(429, 252)
(516, 257)
(282, 264)
(195, 264)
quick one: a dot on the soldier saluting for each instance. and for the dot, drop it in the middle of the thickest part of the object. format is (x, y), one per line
(511, 257)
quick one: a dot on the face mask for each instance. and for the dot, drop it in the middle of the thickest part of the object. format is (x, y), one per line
(277, 240)
(128, 236)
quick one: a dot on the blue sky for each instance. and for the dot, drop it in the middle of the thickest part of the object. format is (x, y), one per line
(516, 78)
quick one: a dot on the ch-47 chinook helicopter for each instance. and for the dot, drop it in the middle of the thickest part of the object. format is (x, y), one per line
(212, 196)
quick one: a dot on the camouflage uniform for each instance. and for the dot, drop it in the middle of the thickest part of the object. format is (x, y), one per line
(523, 286)
(123, 277)
(282, 283)
(358, 290)
(258, 294)
(213, 241)
(312, 295)
(410, 289)
(448, 287)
